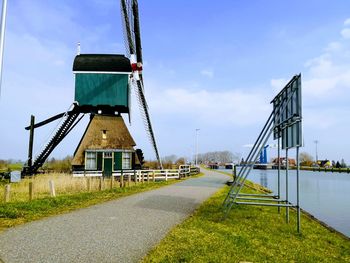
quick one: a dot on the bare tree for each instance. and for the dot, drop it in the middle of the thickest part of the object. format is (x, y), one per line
(305, 159)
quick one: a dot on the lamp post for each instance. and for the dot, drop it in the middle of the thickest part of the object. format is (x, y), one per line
(196, 157)
(2, 37)
(316, 142)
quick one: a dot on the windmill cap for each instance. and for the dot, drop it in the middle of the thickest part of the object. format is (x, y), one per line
(102, 63)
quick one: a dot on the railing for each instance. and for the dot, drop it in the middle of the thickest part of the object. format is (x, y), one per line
(142, 175)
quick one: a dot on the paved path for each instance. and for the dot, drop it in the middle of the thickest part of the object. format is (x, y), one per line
(122, 230)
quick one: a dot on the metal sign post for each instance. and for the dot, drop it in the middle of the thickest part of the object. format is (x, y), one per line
(285, 123)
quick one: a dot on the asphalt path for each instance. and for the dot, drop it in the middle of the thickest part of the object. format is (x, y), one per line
(123, 230)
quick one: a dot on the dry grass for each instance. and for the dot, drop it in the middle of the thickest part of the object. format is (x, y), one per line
(64, 184)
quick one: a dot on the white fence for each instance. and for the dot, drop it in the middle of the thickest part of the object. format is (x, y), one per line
(143, 175)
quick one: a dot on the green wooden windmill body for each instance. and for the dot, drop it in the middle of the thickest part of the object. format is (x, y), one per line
(102, 81)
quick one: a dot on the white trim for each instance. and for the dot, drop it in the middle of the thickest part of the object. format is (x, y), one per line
(101, 72)
(109, 150)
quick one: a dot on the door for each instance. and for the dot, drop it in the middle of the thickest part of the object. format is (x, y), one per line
(107, 164)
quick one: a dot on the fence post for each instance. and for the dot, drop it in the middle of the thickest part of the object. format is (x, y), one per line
(153, 177)
(7, 193)
(52, 188)
(111, 185)
(135, 177)
(121, 179)
(100, 185)
(129, 179)
(148, 177)
(166, 175)
(143, 177)
(31, 191)
(88, 184)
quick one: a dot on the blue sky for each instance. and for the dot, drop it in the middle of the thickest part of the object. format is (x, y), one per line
(208, 65)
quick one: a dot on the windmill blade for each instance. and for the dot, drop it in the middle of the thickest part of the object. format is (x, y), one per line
(135, 12)
(128, 34)
(146, 117)
(132, 36)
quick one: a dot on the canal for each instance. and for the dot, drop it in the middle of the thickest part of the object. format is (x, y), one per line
(324, 195)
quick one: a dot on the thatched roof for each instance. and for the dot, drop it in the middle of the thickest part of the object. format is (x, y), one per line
(116, 136)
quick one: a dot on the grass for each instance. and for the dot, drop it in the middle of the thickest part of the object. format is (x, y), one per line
(249, 234)
(19, 212)
(65, 184)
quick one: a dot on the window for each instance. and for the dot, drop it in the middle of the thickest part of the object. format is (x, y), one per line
(126, 163)
(104, 134)
(91, 161)
(107, 155)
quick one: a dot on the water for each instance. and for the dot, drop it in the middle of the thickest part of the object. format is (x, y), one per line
(324, 195)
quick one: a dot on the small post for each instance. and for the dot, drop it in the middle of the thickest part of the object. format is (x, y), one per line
(153, 177)
(166, 175)
(135, 177)
(121, 179)
(143, 177)
(147, 177)
(298, 183)
(287, 167)
(31, 191)
(31, 141)
(111, 183)
(234, 172)
(7, 193)
(279, 173)
(52, 188)
(88, 182)
(129, 180)
(100, 185)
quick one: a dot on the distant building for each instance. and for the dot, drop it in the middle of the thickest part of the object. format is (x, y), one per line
(282, 161)
(324, 163)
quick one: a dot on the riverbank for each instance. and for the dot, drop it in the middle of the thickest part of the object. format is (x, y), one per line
(253, 234)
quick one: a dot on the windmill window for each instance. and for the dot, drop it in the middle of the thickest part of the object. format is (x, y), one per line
(104, 134)
(126, 164)
(107, 155)
(91, 161)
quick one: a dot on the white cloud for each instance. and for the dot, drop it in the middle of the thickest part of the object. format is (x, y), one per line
(231, 107)
(347, 22)
(207, 73)
(326, 90)
(334, 46)
(345, 33)
(278, 84)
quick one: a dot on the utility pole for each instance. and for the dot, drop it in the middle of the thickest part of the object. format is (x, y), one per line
(196, 158)
(316, 142)
(2, 37)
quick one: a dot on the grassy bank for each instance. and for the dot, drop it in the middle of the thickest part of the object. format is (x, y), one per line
(19, 212)
(252, 234)
(324, 169)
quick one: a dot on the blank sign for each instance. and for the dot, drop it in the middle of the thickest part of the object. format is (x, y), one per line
(15, 176)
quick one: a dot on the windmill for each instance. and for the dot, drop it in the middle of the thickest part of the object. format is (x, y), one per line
(102, 90)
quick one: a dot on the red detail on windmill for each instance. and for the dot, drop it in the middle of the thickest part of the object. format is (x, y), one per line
(136, 66)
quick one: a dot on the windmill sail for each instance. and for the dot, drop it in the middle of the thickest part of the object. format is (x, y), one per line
(132, 37)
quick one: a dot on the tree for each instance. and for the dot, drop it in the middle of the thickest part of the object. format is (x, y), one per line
(337, 165)
(342, 163)
(218, 157)
(305, 159)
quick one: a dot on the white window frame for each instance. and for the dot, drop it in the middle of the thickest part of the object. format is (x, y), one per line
(126, 160)
(88, 159)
